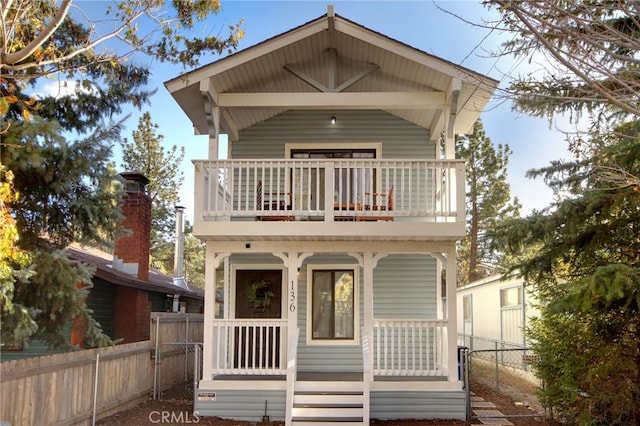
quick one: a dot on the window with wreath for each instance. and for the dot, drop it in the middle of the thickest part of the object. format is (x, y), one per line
(333, 305)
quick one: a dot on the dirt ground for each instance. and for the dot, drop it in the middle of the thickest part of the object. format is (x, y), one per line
(150, 413)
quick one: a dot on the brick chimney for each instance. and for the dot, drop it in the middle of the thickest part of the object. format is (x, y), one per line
(131, 254)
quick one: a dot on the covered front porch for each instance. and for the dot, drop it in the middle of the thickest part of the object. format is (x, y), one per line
(387, 353)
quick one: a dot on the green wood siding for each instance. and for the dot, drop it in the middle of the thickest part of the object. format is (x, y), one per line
(101, 301)
(399, 138)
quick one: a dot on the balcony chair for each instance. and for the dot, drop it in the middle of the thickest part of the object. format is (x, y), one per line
(280, 201)
(380, 202)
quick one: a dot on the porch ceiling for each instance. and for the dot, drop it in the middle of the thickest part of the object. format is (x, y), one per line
(332, 55)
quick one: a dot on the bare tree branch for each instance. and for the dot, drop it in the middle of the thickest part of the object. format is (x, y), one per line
(12, 58)
(566, 59)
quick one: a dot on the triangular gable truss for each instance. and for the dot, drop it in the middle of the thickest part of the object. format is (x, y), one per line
(331, 63)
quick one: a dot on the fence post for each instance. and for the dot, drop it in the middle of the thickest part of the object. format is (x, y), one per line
(196, 372)
(95, 391)
(155, 361)
(186, 347)
(466, 360)
(497, 369)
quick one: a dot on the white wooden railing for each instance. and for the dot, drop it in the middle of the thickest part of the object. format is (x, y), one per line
(409, 347)
(243, 346)
(327, 189)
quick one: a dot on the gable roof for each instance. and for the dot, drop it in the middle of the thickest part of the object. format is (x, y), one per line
(332, 63)
(158, 282)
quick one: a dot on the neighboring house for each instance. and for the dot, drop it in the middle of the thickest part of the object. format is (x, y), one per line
(494, 310)
(125, 291)
(333, 219)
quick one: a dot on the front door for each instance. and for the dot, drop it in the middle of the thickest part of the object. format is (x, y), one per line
(258, 297)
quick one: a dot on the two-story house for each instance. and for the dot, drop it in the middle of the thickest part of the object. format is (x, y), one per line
(334, 221)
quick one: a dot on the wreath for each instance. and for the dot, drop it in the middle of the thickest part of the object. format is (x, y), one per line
(259, 295)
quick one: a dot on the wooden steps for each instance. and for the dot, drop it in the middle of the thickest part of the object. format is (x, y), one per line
(328, 402)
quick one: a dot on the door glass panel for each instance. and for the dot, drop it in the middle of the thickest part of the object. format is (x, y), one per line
(322, 305)
(332, 305)
(349, 184)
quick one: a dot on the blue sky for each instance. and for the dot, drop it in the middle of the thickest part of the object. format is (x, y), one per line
(420, 24)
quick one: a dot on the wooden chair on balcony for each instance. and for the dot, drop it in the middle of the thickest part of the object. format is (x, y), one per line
(280, 201)
(379, 202)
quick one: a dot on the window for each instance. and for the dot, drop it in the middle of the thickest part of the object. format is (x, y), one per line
(350, 183)
(511, 296)
(332, 305)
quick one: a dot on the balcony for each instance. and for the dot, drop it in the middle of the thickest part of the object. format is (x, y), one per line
(388, 198)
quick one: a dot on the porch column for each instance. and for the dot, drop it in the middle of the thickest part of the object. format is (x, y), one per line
(367, 338)
(439, 303)
(210, 99)
(214, 134)
(209, 311)
(452, 315)
(291, 307)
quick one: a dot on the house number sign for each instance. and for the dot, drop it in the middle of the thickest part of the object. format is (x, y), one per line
(292, 298)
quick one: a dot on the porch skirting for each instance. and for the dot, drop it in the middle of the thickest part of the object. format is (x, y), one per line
(242, 404)
(245, 398)
(392, 405)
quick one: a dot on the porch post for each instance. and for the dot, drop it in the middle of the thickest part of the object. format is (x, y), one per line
(212, 112)
(292, 293)
(209, 311)
(367, 290)
(439, 303)
(215, 135)
(291, 307)
(452, 315)
(329, 176)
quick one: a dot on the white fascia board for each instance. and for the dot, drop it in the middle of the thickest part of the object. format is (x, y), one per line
(246, 55)
(343, 100)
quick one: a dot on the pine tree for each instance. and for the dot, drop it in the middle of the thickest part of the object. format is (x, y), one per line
(488, 203)
(146, 154)
(194, 258)
(67, 191)
(57, 150)
(586, 274)
(584, 265)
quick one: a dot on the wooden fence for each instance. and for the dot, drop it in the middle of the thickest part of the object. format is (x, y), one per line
(61, 389)
(174, 328)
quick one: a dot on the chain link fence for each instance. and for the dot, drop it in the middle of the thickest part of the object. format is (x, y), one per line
(503, 366)
(177, 356)
(496, 358)
(177, 371)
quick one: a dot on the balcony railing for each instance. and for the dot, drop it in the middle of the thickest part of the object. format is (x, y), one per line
(330, 190)
(409, 348)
